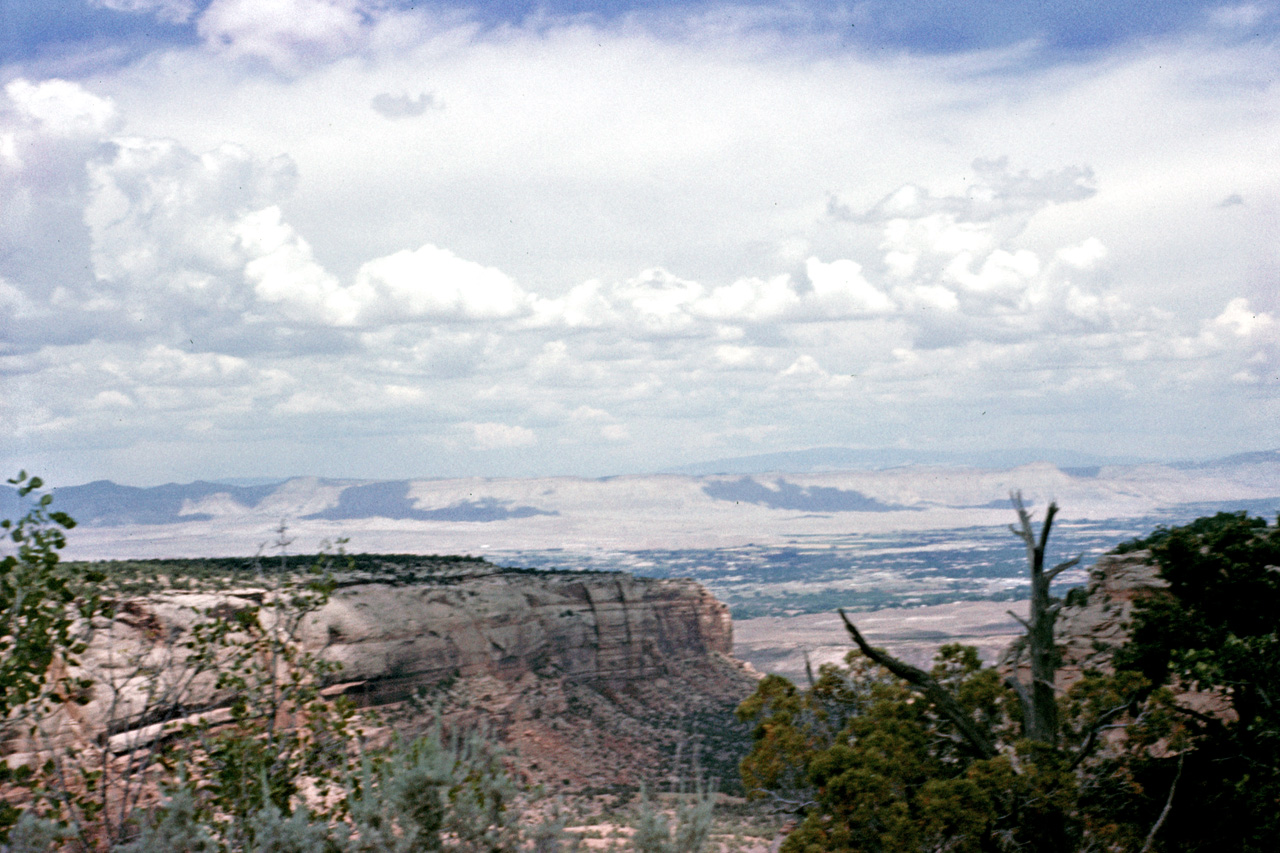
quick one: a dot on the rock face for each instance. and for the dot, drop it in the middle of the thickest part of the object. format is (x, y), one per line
(596, 678)
(393, 640)
(1094, 620)
(1092, 624)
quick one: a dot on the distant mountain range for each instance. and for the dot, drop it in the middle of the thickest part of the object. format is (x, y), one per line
(810, 501)
(849, 458)
(103, 503)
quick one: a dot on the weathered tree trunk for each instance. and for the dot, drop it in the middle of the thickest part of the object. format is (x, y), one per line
(1039, 702)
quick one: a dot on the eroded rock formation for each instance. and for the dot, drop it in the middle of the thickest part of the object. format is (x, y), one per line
(595, 678)
(392, 640)
(1094, 621)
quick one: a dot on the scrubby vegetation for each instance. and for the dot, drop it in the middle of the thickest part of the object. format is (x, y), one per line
(874, 757)
(280, 768)
(1175, 747)
(140, 577)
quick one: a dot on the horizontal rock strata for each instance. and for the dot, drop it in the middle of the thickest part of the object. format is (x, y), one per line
(594, 677)
(392, 640)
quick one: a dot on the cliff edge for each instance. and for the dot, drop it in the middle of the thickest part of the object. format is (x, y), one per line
(596, 679)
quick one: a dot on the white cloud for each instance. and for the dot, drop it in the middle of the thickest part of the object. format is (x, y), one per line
(570, 247)
(750, 299)
(615, 432)
(841, 290)
(1244, 322)
(494, 436)
(284, 33)
(284, 272)
(1239, 16)
(806, 366)
(61, 108)
(434, 283)
(403, 105)
(1084, 256)
(172, 11)
(735, 356)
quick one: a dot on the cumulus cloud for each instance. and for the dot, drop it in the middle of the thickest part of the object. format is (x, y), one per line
(569, 258)
(494, 436)
(283, 272)
(994, 192)
(841, 290)
(434, 283)
(284, 33)
(198, 240)
(49, 132)
(167, 223)
(61, 109)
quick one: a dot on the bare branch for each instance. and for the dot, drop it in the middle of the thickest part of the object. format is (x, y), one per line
(1168, 805)
(1025, 533)
(1099, 725)
(978, 740)
(1062, 567)
(1191, 712)
(1048, 523)
(1023, 622)
(791, 806)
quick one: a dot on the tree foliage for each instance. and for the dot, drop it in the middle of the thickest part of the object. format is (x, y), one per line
(36, 598)
(877, 755)
(1218, 631)
(287, 772)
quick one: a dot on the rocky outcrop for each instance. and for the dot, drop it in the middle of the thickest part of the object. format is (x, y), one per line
(1094, 621)
(392, 640)
(594, 677)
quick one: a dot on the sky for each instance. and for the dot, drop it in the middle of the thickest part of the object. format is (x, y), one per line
(389, 239)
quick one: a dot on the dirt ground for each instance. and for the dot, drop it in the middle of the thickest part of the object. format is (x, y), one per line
(777, 644)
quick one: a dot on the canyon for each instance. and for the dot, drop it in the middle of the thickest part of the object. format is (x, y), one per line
(596, 678)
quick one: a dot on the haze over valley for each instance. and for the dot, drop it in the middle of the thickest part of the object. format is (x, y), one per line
(768, 544)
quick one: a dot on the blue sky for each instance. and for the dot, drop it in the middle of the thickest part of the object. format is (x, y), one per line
(49, 29)
(358, 238)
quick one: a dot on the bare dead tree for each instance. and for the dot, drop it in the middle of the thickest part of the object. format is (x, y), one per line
(1039, 702)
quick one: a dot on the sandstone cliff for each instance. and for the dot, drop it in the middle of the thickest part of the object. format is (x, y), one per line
(595, 678)
(392, 640)
(1094, 621)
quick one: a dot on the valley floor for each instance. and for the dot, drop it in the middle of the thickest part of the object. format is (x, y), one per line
(778, 644)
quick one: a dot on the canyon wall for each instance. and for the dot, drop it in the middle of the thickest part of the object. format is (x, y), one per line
(605, 628)
(1094, 622)
(593, 678)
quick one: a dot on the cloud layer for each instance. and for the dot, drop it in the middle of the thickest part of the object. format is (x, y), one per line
(388, 243)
